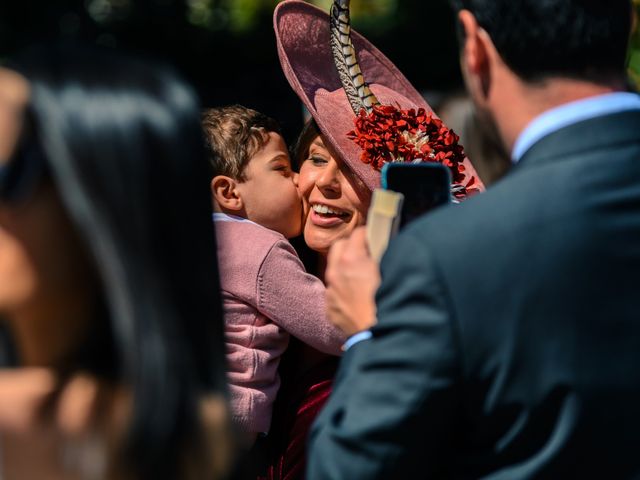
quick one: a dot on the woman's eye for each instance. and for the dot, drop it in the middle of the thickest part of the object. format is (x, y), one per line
(317, 160)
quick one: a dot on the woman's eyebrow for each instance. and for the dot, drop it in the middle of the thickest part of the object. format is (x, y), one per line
(318, 148)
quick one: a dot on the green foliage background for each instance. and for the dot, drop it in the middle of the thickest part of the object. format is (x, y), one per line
(223, 46)
(370, 16)
(634, 54)
(240, 16)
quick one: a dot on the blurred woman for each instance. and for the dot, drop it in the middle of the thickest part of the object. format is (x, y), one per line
(108, 281)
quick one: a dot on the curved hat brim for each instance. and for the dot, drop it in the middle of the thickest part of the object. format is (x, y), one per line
(303, 41)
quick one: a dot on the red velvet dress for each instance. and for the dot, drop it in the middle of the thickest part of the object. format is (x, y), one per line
(302, 395)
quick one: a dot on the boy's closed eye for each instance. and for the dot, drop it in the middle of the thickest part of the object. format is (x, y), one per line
(281, 164)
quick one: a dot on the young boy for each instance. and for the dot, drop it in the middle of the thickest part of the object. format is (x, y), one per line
(267, 293)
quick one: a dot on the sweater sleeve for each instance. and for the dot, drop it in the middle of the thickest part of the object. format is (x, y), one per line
(295, 300)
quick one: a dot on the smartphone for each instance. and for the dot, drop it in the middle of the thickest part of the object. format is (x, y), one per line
(425, 186)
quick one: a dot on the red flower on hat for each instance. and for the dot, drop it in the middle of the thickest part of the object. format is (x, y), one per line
(388, 134)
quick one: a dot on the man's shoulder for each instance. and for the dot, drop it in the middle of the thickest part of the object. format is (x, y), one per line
(556, 179)
(502, 207)
(494, 229)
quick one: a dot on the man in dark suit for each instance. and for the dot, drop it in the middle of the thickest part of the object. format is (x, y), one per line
(507, 343)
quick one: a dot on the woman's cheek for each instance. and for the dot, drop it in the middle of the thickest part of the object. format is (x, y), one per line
(306, 180)
(306, 209)
(305, 186)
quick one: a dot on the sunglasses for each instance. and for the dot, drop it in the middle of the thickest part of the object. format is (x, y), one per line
(24, 171)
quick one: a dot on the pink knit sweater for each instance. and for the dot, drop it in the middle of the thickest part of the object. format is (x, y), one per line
(267, 295)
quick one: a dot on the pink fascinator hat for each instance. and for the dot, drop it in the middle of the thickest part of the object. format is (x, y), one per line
(364, 106)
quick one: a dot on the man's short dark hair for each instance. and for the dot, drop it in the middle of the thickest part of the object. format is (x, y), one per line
(537, 39)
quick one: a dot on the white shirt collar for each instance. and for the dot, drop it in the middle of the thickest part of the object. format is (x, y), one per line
(570, 113)
(223, 217)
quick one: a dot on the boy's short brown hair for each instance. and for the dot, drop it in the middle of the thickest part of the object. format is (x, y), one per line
(233, 135)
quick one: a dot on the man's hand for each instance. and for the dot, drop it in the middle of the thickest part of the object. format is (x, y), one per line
(352, 280)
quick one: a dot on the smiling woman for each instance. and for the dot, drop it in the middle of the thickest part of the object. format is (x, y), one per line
(335, 200)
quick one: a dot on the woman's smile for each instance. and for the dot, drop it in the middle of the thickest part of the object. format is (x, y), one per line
(323, 215)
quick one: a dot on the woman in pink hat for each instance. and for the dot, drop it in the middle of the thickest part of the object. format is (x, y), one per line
(357, 127)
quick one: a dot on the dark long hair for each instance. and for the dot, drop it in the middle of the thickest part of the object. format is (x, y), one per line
(300, 149)
(124, 148)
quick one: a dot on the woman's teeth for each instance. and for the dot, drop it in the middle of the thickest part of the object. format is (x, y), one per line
(324, 210)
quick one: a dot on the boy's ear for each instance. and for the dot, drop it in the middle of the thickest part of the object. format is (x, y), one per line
(225, 192)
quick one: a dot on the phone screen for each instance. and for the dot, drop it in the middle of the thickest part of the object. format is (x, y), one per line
(424, 186)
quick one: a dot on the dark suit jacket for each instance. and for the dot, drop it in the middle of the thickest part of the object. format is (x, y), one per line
(508, 342)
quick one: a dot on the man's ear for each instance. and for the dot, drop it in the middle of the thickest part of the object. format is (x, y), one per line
(473, 48)
(225, 192)
(478, 52)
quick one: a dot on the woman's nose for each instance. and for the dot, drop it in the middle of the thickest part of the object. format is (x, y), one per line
(295, 178)
(328, 180)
